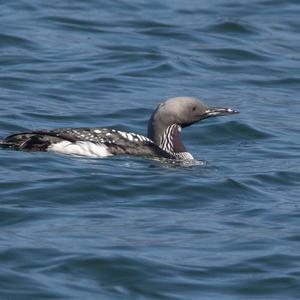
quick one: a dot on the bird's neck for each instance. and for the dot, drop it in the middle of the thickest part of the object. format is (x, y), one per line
(170, 139)
(167, 136)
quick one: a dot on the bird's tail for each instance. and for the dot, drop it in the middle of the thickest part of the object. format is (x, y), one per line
(17, 141)
(4, 144)
(35, 141)
(14, 141)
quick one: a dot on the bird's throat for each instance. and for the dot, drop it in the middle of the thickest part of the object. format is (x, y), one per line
(170, 140)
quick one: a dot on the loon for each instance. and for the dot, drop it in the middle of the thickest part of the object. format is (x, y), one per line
(163, 140)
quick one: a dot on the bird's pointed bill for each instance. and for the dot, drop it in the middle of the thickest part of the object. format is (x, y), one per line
(218, 111)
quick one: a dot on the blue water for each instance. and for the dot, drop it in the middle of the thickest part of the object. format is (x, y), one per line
(132, 228)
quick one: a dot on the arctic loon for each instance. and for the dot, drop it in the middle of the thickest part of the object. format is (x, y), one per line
(164, 134)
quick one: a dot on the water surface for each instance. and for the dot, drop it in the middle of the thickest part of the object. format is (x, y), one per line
(130, 228)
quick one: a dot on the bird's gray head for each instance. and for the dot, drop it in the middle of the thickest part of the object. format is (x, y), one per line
(183, 112)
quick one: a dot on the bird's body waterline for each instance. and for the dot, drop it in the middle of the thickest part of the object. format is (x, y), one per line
(164, 134)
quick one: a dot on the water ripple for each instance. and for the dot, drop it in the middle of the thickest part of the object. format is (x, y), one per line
(232, 28)
(225, 226)
(15, 41)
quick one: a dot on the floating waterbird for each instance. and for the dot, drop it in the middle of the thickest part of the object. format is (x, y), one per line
(164, 134)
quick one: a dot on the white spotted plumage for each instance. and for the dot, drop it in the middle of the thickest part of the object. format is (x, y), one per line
(133, 136)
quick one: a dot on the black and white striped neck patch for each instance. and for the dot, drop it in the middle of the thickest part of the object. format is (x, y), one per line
(171, 142)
